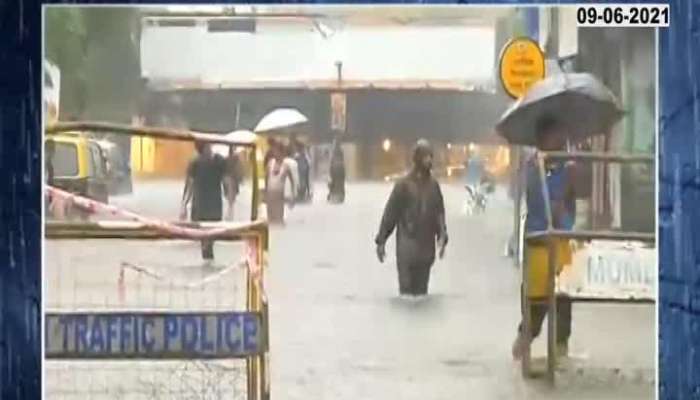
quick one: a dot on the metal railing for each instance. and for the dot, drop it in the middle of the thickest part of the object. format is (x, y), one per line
(550, 236)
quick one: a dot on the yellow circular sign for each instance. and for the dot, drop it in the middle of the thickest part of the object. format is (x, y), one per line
(522, 64)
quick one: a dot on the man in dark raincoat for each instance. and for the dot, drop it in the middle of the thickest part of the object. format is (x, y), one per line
(336, 187)
(417, 211)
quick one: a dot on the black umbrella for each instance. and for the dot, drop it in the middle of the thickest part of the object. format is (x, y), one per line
(578, 101)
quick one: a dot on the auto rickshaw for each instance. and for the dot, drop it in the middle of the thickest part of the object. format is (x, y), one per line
(79, 167)
(119, 180)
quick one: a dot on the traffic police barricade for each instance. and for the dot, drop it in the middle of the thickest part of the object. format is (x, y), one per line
(543, 285)
(210, 334)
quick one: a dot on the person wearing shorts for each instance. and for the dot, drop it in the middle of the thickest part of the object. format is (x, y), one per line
(560, 182)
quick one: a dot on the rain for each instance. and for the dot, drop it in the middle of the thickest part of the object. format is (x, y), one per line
(311, 118)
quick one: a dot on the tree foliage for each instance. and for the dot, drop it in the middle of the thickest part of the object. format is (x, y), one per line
(65, 41)
(97, 50)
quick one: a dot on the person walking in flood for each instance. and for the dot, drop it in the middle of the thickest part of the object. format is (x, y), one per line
(207, 173)
(560, 179)
(277, 172)
(336, 186)
(416, 210)
(290, 192)
(304, 186)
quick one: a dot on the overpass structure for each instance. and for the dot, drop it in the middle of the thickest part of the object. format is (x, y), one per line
(404, 73)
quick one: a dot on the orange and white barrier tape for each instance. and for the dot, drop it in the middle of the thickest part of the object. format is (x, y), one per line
(66, 198)
(63, 199)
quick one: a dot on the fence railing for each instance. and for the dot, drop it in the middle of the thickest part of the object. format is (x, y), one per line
(550, 236)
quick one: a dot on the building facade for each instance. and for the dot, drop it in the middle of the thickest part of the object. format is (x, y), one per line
(401, 81)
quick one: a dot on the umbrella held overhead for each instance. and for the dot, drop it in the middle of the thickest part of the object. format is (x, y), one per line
(281, 118)
(578, 101)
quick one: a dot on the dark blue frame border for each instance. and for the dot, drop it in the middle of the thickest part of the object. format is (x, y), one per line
(679, 197)
(20, 196)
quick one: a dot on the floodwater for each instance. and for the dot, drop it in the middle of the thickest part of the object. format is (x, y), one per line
(338, 328)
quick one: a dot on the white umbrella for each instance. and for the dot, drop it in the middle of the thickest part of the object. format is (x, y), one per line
(243, 136)
(279, 119)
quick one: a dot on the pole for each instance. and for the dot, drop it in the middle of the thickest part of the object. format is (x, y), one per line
(551, 276)
(238, 114)
(526, 333)
(255, 184)
(551, 310)
(517, 204)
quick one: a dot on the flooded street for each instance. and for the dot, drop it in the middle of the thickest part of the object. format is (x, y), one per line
(338, 328)
(494, 112)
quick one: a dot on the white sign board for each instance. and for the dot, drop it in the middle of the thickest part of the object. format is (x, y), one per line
(611, 270)
(338, 111)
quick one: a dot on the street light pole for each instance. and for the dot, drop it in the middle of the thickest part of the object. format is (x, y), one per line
(339, 69)
(238, 114)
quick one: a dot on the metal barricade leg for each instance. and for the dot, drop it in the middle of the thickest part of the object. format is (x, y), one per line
(526, 317)
(259, 303)
(255, 184)
(265, 357)
(264, 308)
(551, 312)
(251, 362)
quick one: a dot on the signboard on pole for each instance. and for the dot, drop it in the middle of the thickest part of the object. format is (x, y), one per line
(338, 111)
(153, 335)
(521, 65)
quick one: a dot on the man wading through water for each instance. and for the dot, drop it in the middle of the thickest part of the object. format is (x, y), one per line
(417, 211)
(206, 175)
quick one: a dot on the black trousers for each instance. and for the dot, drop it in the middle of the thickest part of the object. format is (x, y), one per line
(539, 310)
(206, 244)
(414, 278)
(208, 249)
(336, 187)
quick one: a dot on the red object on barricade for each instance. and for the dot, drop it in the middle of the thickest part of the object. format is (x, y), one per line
(94, 207)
